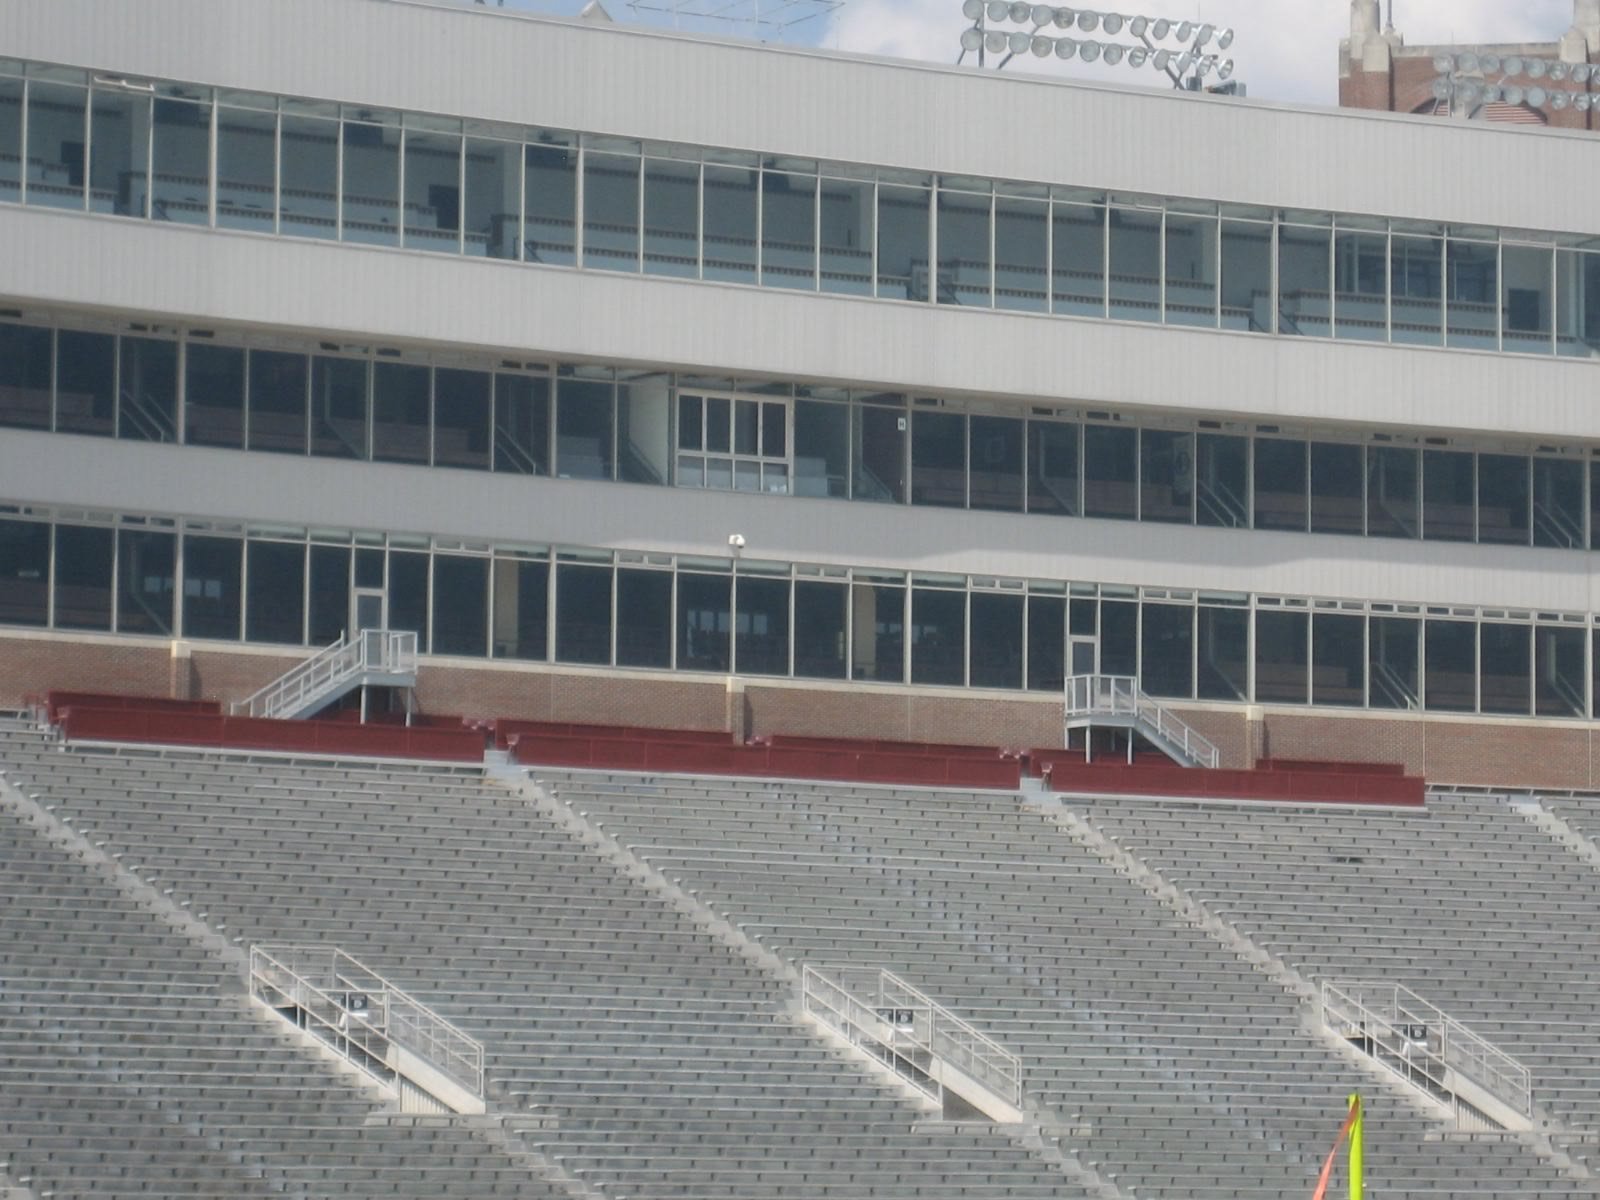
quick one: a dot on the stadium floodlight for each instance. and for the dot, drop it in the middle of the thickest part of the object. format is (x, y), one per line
(1089, 51)
(971, 39)
(1112, 23)
(1468, 80)
(1113, 54)
(973, 9)
(1560, 100)
(1088, 21)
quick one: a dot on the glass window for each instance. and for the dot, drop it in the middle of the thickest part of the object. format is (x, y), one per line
(400, 412)
(1281, 648)
(1053, 467)
(551, 205)
(119, 155)
(1021, 254)
(1528, 300)
(461, 418)
(644, 440)
(731, 200)
(56, 144)
(1416, 275)
(309, 176)
(25, 352)
(821, 449)
(1119, 638)
(369, 568)
(1166, 476)
(846, 218)
(1450, 653)
(1447, 496)
(213, 404)
(762, 627)
(819, 629)
(181, 161)
(460, 605)
(1392, 508)
(1304, 284)
(1221, 484)
(339, 407)
(1558, 672)
(10, 139)
(212, 596)
(996, 642)
(938, 636)
(1558, 503)
(1392, 649)
(83, 577)
(1361, 282)
(24, 573)
(1280, 485)
(939, 459)
(878, 469)
(1047, 643)
(704, 621)
(522, 424)
(329, 594)
(644, 618)
(275, 605)
(370, 202)
(1337, 478)
(145, 563)
(278, 401)
(408, 595)
(521, 609)
(995, 456)
(611, 211)
(147, 408)
(431, 206)
(247, 168)
(583, 428)
(583, 614)
(1110, 471)
(1191, 270)
(1474, 295)
(1224, 654)
(1338, 659)
(788, 230)
(1505, 661)
(877, 639)
(1166, 651)
(1247, 276)
(1078, 259)
(1577, 303)
(489, 215)
(1503, 499)
(671, 218)
(1135, 265)
(86, 370)
(965, 275)
(903, 241)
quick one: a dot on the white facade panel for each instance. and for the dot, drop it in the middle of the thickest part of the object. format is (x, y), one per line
(612, 79)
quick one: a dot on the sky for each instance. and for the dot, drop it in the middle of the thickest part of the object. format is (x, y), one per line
(1284, 49)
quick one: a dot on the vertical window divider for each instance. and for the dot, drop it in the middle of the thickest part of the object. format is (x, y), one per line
(338, 178)
(180, 400)
(212, 175)
(277, 175)
(638, 217)
(50, 576)
(55, 371)
(1388, 281)
(816, 236)
(1498, 299)
(932, 250)
(522, 223)
(400, 196)
(461, 213)
(699, 251)
(88, 147)
(1277, 304)
(994, 271)
(433, 415)
(22, 142)
(1049, 307)
(1161, 267)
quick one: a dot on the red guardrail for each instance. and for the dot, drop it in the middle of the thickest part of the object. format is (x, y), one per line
(506, 728)
(1302, 787)
(55, 701)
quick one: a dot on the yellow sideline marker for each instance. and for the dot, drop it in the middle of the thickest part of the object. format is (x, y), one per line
(1352, 1129)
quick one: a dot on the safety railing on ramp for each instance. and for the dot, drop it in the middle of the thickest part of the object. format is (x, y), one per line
(900, 1025)
(1116, 700)
(1428, 1048)
(373, 656)
(369, 1021)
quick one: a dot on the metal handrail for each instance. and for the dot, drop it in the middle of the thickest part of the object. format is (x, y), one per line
(1386, 1014)
(379, 650)
(394, 1017)
(1120, 695)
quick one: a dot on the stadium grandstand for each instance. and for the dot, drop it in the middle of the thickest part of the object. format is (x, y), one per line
(588, 613)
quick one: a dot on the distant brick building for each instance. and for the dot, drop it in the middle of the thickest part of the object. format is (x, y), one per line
(1377, 70)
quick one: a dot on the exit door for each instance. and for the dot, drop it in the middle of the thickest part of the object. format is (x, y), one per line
(366, 611)
(1084, 656)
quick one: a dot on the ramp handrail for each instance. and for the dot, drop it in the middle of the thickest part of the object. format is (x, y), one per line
(931, 1027)
(1121, 696)
(375, 650)
(1387, 1015)
(319, 979)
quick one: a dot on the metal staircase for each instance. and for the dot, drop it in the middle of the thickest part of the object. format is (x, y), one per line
(373, 658)
(1115, 701)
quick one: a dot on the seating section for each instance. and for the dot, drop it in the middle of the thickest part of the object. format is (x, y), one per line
(1180, 1071)
(1467, 903)
(665, 1064)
